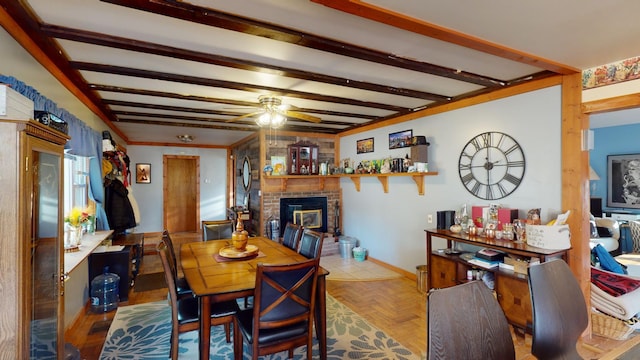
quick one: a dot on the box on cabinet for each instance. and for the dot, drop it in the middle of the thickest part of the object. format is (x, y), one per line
(549, 237)
(13, 105)
(479, 212)
(506, 216)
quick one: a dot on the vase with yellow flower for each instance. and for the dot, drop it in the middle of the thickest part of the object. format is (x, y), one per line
(73, 227)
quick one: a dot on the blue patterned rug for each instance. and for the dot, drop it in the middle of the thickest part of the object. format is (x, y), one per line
(143, 332)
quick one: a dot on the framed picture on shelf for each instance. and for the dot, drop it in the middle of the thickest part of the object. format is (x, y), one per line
(364, 146)
(400, 139)
(345, 163)
(279, 165)
(143, 173)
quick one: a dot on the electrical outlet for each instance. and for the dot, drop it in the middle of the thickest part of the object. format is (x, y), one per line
(430, 219)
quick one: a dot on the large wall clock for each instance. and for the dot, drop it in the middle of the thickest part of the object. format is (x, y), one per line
(491, 165)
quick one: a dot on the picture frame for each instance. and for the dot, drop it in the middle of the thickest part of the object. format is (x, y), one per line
(279, 165)
(345, 163)
(623, 181)
(364, 146)
(400, 139)
(143, 173)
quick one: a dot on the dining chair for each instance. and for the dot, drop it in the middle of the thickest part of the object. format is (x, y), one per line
(311, 244)
(559, 310)
(182, 286)
(185, 311)
(466, 322)
(291, 236)
(217, 229)
(282, 314)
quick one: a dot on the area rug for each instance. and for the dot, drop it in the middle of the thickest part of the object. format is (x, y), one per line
(142, 332)
(349, 269)
(147, 282)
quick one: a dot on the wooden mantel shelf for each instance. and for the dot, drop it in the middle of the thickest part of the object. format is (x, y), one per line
(355, 178)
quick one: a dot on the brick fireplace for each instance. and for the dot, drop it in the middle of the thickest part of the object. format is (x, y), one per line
(302, 202)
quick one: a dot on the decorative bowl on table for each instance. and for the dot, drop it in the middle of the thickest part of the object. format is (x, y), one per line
(232, 253)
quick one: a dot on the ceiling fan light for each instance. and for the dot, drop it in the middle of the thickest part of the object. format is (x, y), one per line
(264, 119)
(186, 138)
(277, 120)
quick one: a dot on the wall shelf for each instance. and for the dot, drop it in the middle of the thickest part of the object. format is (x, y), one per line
(320, 180)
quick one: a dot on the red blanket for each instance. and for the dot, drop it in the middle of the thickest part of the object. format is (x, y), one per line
(613, 284)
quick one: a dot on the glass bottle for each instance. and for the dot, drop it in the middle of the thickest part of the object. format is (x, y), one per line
(464, 217)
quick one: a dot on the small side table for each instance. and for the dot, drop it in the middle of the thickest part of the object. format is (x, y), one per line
(136, 241)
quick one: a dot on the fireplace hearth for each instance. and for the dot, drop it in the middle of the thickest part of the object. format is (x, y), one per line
(310, 212)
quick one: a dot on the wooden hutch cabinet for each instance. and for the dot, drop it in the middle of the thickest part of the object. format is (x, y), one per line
(512, 288)
(302, 158)
(31, 260)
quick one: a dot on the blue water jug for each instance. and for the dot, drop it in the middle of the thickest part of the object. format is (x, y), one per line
(105, 292)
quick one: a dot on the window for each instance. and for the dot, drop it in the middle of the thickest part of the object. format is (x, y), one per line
(76, 182)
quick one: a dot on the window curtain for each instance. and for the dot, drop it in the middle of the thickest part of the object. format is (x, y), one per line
(84, 142)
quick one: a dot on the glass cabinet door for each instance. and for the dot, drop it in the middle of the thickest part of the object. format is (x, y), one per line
(44, 255)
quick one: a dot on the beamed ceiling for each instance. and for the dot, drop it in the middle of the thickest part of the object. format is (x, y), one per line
(155, 69)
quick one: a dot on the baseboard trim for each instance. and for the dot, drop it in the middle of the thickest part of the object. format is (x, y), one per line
(407, 274)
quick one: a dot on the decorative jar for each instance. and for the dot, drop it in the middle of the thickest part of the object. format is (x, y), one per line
(240, 237)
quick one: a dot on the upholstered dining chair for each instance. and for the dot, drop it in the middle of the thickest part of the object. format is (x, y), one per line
(467, 322)
(559, 311)
(310, 244)
(282, 314)
(291, 236)
(182, 286)
(185, 310)
(217, 229)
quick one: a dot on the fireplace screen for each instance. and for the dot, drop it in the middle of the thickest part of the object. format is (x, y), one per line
(311, 219)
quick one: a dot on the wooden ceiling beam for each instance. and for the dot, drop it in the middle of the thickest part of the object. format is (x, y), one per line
(402, 21)
(147, 74)
(118, 89)
(212, 17)
(235, 63)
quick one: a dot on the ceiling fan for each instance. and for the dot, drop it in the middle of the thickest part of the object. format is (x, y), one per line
(274, 114)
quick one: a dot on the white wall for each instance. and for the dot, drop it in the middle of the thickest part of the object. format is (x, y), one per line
(18, 63)
(391, 226)
(213, 183)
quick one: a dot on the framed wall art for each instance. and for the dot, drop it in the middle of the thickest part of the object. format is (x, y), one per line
(623, 181)
(143, 173)
(400, 139)
(364, 146)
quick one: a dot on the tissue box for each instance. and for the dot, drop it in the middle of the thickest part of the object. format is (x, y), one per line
(13, 105)
(519, 267)
(549, 237)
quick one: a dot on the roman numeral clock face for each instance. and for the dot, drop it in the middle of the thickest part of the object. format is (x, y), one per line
(491, 165)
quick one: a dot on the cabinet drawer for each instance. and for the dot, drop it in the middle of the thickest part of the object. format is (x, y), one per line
(443, 272)
(513, 295)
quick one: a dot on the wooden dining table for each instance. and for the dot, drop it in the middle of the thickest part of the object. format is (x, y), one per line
(213, 278)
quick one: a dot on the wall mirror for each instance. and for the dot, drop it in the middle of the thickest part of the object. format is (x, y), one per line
(246, 173)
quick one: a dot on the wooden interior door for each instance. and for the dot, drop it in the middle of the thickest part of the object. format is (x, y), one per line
(181, 193)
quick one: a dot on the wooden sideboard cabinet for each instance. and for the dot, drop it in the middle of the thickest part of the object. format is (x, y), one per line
(512, 289)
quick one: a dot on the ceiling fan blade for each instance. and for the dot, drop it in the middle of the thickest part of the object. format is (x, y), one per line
(301, 116)
(244, 116)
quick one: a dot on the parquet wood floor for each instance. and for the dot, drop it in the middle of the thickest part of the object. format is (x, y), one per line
(395, 306)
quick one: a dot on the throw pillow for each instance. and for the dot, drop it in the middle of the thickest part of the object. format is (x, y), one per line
(594, 229)
(607, 262)
(604, 231)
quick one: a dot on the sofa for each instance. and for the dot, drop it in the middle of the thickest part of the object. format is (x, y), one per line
(606, 232)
